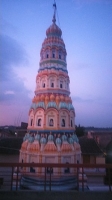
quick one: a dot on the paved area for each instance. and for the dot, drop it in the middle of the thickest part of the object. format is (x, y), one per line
(28, 195)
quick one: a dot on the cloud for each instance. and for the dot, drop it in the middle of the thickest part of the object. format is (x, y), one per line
(14, 92)
(7, 27)
(9, 92)
(13, 55)
(80, 100)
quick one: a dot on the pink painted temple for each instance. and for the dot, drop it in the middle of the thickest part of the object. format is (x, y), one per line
(51, 134)
(52, 108)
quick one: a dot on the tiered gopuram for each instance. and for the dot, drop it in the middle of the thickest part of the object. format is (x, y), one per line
(51, 134)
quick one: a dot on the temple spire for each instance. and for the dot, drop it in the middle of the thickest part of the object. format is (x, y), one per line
(54, 16)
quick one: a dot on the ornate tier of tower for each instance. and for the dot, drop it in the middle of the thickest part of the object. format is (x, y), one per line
(52, 108)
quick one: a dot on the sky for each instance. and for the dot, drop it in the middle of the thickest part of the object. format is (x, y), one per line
(87, 32)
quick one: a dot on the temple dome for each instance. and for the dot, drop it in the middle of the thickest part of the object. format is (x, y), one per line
(42, 97)
(66, 147)
(27, 135)
(37, 98)
(31, 139)
(58, 141)
(50, 147)
(64, 137)
(40, 105)
(57, 98)
(37, 137)
(70, 140)
(47, 98)
(63, 105)
(24, 145)
(70, 106)
(43, 140)
(33, 106)
(54, 30)
(52, 97)
(62, 98)
(35, 147)
(52, 104)
(67, 99)
(50, 137)
(75, 138)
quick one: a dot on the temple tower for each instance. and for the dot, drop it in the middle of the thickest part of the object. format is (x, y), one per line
(51, 126)
(52, 108)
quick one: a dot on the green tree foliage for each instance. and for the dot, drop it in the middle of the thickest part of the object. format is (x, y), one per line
(79, 131)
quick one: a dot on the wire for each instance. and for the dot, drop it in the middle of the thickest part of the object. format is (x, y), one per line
(9, 148)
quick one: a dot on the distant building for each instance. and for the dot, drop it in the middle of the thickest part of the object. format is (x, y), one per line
(91, 151)
(24, 125)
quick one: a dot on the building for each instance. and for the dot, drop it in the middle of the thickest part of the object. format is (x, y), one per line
(52, 108)
(51, 124)
(91, 152)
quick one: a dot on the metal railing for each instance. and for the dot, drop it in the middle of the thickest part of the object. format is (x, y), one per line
(84, 177)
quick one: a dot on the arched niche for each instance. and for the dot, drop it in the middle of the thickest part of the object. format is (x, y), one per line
(51, 118)
(31, 118)
(64, 118)
(72, 119)
(52, 81)
(37, 82)
(39, 118)
(43, 82)
(63, 82)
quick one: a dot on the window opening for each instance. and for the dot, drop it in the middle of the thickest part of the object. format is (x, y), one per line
(63, 123)
(51, 122)
(39, 122)
(31, 122)
(43, 85)
(52, 84)
(59, 56)
(53, 54)
(61, 85)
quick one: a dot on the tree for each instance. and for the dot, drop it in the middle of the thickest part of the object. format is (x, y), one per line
(79, 131)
